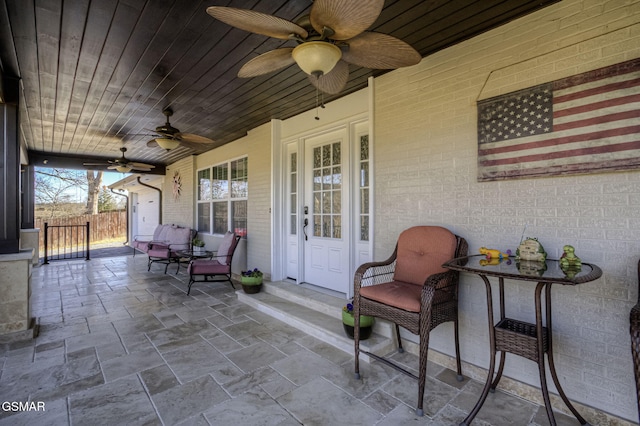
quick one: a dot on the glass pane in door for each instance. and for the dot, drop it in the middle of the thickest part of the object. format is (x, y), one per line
(327, 191)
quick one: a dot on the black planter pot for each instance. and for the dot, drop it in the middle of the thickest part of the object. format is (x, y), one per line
(365, 332)
(252, 288)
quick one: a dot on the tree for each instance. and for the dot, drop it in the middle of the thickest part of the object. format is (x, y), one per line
(93, 189)
(106, 201)
(54, 190)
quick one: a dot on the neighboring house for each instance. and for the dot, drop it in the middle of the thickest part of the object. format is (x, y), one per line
(404, 152)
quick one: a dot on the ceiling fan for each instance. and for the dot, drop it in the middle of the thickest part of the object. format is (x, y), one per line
(169, 137)
(331, 37)
(123, 165)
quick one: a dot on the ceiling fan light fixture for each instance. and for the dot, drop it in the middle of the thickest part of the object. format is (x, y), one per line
(316, 57)
(123, 169)
(166, 143)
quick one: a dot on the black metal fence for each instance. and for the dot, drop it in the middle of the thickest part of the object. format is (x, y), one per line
(63, 242)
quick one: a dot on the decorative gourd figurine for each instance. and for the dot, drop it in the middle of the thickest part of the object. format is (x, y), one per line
(494, 254)
(569, 258)
(532, 268)
(531, 249)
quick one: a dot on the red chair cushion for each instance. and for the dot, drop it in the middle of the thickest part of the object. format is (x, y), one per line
(399, 294)
(421, 252)
(161, 251)
(158, 245)
(207, 267)
(142, 246)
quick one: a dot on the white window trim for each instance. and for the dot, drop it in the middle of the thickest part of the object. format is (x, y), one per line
(229, 200)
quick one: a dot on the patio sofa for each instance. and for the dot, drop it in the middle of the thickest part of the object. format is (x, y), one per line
(164, 243)
(163, 234)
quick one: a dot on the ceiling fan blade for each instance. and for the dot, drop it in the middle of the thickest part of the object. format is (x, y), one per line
(190, 137)
(347, 18)
(257, 22)
(95, 164)
(135, 165)
(160, 134)
(380, 51)
(334, 81)
(267, 62)
(166, 135)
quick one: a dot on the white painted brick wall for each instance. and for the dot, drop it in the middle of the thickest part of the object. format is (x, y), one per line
(179, 211)
(259, 208)
(425, 173)
(255, 251)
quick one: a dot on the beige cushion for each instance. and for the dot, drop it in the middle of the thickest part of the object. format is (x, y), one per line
(421, 252)
(178, 238)
(224, 247)
(160, 233)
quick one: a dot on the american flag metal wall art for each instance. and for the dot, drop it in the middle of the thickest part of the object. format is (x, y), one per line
(585, 123)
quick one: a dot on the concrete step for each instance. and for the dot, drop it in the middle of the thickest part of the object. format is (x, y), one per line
(317, 314)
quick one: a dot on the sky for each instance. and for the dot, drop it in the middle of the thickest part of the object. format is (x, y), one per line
(80, 195)
(110, 177)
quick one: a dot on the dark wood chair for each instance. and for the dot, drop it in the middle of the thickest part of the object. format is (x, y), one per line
(218, 268)
(634, 330)
(412, 290)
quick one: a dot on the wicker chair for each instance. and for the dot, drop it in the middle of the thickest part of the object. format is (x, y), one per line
(634, 329)
(412, 290)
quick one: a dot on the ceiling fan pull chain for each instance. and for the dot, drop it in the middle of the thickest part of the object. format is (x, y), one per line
(317, 96)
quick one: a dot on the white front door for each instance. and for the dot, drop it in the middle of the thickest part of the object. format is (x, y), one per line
(325, 215)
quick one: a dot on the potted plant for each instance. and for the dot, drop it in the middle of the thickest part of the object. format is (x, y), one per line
(366, 322)
(198, 245)
(251, 281)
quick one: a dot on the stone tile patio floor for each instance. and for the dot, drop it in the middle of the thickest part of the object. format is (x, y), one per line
(122, 346)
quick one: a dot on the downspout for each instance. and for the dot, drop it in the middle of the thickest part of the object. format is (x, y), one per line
(126, 210)
(160, 194)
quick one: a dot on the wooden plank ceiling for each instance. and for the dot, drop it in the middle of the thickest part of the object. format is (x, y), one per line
(95, 75)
